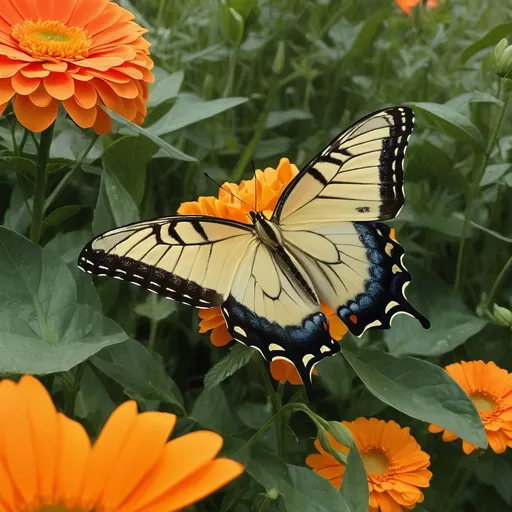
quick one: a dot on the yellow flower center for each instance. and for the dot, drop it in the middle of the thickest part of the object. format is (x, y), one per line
(483, 402)
(375, 461)
(52, 40)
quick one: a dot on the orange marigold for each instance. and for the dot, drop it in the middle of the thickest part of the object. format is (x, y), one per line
(395, 464)
(408, 5)
(490, 389)
(47, 461)
(270, 184)
(81, 53)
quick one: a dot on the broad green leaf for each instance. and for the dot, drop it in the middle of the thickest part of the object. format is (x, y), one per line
(72, 142)
(44, 326)
(496, 471)
(68, 245)
(452, 322)
(127, 158)
(493, 173)
(155, 307)
(279, 117)
(490, 39)
(141, 374)
(165, 88)
(187, 112)
(450, 122)
(271, 147)
(171, 151)
(22, 165)
(61, 214)
(354, 487)
(460, 216)
(367, 34)
(93, 402)
(114, 207)
(301, 488)
(237, 358)
(334, 374)
(421, 390)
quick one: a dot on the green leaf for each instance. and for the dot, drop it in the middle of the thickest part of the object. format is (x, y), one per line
(354, 487)
(165, 89)
(452, 322)
(21, 165)
(494, 173)
(44, 326)
(139, 130)
(155, 308)
(334, 375)
(187, 112)
(114, 207)
(127, 158)
(301, 488)
(460, 217)
(421, 390)
(492, 38)
(279, 117)
(367, 34)
(61, 214)
(496, 472)
(450, 122)
(141, 374)
(238, 357)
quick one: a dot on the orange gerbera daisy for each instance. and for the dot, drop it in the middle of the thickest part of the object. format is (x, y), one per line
(271, 183)
(408, 5)
(395, 464)
(47, 462)
(490, 388)
(81, 53)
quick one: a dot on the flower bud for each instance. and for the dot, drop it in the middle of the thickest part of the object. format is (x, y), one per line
(503, 316)
(278, 64)
(326, 445)
(503, 58)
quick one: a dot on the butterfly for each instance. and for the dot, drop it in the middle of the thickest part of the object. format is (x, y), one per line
(323, 243)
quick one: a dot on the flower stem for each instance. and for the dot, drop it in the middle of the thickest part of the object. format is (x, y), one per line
(266, 501)
(475, 186)
(75, 388)
(43, 155)
(277, 406)
(58, 189)
(497, 284)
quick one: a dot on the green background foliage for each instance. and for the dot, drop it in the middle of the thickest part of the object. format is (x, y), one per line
(242, 80)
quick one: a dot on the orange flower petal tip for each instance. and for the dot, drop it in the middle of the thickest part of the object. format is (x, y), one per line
(83, 54)
(490, 389)
(395, 464)
(132, 465)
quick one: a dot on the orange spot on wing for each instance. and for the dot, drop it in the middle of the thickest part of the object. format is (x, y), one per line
(353, 319)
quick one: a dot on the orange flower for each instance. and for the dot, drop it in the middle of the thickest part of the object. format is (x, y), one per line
(408, 5)
(395, 464)
(270, 183)
(47, 462)
(490, 389)
(81, 53)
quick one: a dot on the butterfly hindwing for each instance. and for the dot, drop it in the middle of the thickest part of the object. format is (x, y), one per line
(191, 259)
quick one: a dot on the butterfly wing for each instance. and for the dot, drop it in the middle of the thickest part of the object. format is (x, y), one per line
(327, 216)
(357, 269)
(191, 259)
(357, 177)
(269, 309)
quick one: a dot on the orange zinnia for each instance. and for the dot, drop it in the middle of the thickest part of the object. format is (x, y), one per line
(81, 53)
(395, 464)
(490, 389)
(408, 5)
(47, 462)
(271, 183)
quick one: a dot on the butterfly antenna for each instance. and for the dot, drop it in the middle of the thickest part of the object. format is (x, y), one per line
(226, 190)
(255, 187)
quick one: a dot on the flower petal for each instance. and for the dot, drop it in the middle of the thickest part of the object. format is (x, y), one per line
(85, 118)
(6, 90)
(85, 94)
(32, 117)
(103, 124)
(23, 85)
(9, 67)
(60, 86)
(85, 11)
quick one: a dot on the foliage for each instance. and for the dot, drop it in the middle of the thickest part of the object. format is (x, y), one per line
(258, 80)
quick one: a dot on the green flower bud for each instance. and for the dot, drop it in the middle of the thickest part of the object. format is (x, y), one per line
(503, 316)
(503, 59)
(273, 493)
(340, 433)
(278, 64)
(324, 442)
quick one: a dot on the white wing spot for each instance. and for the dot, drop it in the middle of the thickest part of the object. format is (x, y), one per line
(307, 358)
(395, 269)
(391, 305)
(154, 283)
(170, 290)
(121, 271)
(102, 267)
(275, 346)
(324, 349)
(240, 331)
(225, 312)
(203, 301)
(388, 248)
(137, 276)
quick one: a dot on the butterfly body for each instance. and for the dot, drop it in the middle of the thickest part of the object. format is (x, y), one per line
(324, 244)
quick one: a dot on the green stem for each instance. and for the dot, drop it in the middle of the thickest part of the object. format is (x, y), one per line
(497, 284)
(277, 406)
(75, 388)
(475, 186)
(450, 500)
(65, 180)
(43, 155)
(266, 501)
(160, 14)
(231, 73)
(15, 148)
(153, 325)
(23, 142)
